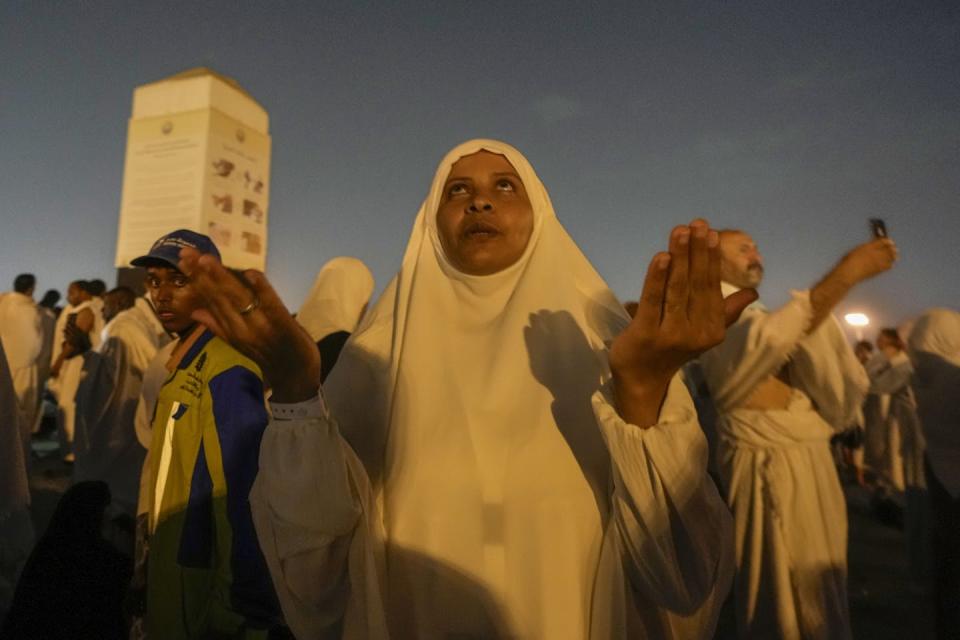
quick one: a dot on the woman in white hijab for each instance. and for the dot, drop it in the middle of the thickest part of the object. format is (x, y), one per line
(934, 346)
(474, 476)
(334, 307)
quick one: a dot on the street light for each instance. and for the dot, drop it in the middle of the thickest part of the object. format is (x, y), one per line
(858, 321)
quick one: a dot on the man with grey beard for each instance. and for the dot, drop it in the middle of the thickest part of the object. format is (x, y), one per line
(783, 381)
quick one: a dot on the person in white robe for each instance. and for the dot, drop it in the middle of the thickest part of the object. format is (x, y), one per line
(154, 376)
(48, 325)
(471, 474)
(106, 443)
(67, 366)
(333, 308)
(934, 346)
(783, 381)
(22, 335)
(16, 526)
(899, 449)
(889, 371)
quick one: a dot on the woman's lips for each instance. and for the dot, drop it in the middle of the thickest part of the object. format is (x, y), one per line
(481, 231)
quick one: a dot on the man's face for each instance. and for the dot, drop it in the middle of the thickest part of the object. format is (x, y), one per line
(75, 295)
(887, 345)
(173, 298)
(485, 219)
(742, 264)
(111, 307)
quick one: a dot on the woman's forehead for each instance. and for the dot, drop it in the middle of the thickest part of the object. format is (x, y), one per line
(481, 162)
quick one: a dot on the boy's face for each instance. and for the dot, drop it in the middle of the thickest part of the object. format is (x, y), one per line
(173, 298)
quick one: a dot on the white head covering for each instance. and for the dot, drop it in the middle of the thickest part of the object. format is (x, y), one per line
(336, 301)
(937, 331)
(468, 400)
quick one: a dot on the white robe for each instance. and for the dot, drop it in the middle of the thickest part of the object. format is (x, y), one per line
(893, 440)
(934, 346)
(16, 528)
(473, 480)
(65, 385)
(22, 335)
(48, 324)
(154, 376)
(778, 471)
(106, 443)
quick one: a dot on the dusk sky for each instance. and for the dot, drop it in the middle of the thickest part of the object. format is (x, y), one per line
(794, 121)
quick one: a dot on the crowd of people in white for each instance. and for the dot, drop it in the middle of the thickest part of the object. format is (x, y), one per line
(503, 449)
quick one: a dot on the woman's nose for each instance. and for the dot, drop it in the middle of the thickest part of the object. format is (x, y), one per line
(479, 203)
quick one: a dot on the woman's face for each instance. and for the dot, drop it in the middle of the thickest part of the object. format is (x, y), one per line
(485, 218)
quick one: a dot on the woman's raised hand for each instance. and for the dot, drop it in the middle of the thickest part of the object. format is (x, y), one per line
(681, 314)
(252, 318)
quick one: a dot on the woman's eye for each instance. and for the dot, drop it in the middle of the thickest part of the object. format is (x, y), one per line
(457, 189)
(505, 185)
(180, 282)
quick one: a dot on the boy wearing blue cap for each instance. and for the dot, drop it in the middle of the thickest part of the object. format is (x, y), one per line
(206, 576)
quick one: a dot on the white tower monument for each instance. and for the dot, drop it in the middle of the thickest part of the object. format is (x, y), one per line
(198, 157)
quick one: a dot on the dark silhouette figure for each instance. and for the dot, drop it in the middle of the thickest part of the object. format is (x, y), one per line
(74, 582)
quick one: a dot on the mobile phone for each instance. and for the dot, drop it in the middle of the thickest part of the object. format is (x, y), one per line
(878, 227)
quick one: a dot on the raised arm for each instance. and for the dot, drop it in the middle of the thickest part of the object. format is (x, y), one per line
(312, 506)
(674, 534)
(863, 262)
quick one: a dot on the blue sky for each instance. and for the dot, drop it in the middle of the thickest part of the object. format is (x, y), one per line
(793, 121)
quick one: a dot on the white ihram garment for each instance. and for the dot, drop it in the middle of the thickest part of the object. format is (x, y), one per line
(338, 298)
(154, 376)
(474, 481)
(64, 387)
(778, 471)
(16, 528)
(106, 443)
(893, 441)
(22, 334)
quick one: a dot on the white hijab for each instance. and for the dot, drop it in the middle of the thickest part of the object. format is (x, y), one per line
(937, 331)
(480, 468)
(336, 302)
(935, 349)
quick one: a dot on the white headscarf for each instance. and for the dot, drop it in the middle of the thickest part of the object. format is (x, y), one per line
(443, 393)
(937, 331)
(336, 302)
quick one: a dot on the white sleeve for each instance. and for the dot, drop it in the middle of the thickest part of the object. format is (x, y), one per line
(313, 512)
(755, 347)
(675, 530)
(826, 369)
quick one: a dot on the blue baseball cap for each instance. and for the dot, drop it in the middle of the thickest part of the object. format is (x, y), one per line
(167, 248)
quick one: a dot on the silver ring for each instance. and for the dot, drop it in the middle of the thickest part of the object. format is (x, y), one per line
(250, 307)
